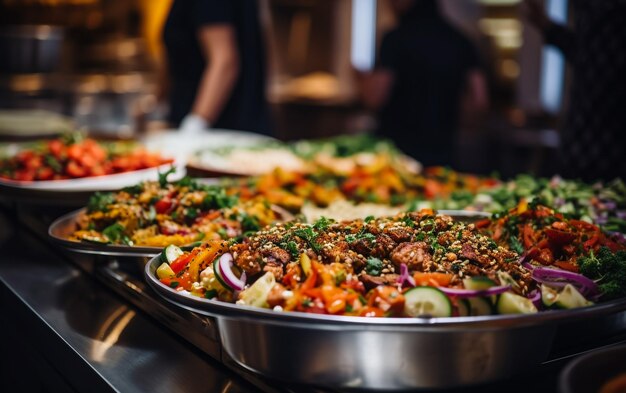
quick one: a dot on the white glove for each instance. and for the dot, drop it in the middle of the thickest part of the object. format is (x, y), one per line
(193, 124)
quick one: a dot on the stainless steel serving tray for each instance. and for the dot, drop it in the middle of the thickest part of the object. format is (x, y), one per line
(61, 229)
(382, 353)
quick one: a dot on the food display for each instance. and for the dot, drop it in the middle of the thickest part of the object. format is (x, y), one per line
(351, 241)
(602, 204)
(340, 153)
(157, 214)
(379, 180)
(556, 249)
(74, 157)
(412, 264)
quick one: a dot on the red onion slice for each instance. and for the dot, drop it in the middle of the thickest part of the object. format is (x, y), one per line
(464, 293)
(225, 265)
(405, 277)
(535, 297)
(554, 277)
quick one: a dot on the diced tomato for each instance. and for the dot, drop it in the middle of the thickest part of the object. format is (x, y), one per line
(387, 299)
(25, 175)
(75, 152)
(181, 262)
(45, 173)
(75, 170)
(354, 284)
(583, 225)
(558, 237)
(482, 223)
(163, 205)
(591, 243)
(369, 311)
(567, 265)
(55, 147)
(432, 279)
(87, 160)
(185, 281)
(528, 236)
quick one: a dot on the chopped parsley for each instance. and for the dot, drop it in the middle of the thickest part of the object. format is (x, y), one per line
(308, 235)
(322, 223)
(516, 245)
(374, 266)
(115, 233)
(99, 202)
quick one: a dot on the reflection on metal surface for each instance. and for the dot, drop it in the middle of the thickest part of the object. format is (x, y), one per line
(111, 335)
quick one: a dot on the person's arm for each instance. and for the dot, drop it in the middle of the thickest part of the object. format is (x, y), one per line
(219, 46)
(475, 100)
(554, 34)
(375, 87)
(477, 91)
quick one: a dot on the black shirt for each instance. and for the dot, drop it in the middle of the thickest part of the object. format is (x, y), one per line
(430, 61)
(246, 108)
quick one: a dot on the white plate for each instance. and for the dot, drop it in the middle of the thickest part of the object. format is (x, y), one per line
(99, 183)
(197, 148)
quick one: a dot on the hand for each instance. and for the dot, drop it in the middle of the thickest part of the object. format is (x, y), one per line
(193, 124)
(535, 13)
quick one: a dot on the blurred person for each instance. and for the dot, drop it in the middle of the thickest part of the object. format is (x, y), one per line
(593, 138)
(215, 71)
(424, 70)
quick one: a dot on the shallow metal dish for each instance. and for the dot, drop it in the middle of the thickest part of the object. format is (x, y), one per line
(382, 353)
(592, 371)
(61, 229)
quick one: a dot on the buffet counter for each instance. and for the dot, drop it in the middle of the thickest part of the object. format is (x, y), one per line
(75, 335)
(82, 323)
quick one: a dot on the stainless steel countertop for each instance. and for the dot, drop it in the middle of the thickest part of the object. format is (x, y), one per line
(92, 337)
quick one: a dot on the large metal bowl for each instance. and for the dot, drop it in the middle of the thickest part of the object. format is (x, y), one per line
(381, 353)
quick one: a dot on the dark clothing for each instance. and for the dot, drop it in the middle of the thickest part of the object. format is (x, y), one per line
(247, 108)
(593, 142)
(430, 60)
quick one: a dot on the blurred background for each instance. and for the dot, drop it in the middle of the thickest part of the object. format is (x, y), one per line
(96, 61)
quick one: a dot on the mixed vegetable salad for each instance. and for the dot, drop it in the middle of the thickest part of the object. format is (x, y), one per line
(412, 264)
(601, 204)
(156, 214)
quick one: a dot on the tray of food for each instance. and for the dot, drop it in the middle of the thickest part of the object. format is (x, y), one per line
(141, 219)
(338, 153)
(75, 164)
(416, 300)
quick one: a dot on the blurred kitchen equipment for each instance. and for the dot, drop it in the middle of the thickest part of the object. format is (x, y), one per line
(30, 48)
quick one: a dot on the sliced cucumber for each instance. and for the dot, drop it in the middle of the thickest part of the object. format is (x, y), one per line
(171, 253)
(506, 279)
(463, 307)
(549, 295)
(480, 306)
(478, 283)
(165, 271)
(256, 294)
(422, 301)
(569, 297)
(510, 303)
